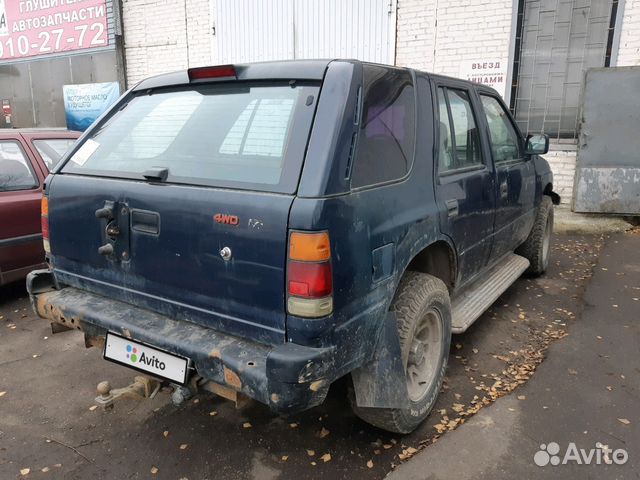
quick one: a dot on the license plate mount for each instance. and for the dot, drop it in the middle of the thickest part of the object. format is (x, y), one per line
(145, 358)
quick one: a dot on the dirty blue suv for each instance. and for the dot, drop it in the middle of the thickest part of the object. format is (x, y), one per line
(263, 230)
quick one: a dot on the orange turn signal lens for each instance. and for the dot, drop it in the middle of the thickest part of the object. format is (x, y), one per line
(44, 207)
(309, 247)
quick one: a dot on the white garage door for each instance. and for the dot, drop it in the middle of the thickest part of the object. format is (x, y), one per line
(258, 30)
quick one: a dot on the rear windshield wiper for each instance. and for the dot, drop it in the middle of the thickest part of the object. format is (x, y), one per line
(157, 174)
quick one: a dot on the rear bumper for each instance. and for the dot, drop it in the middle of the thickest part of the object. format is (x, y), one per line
(287, 377)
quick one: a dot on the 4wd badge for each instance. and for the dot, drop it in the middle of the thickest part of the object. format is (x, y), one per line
(226, 219)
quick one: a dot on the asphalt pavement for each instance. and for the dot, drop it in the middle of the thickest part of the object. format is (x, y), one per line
(586, 394)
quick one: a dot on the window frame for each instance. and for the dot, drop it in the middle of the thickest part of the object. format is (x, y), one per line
(29, 165)
(522, 157)
(458, 171)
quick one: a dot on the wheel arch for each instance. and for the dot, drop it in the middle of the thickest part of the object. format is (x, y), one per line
(437, 259)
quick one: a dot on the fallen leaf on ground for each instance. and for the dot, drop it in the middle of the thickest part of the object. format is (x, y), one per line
(521, 397)
(165, 433)
(386, 446)
(624, 421)
(323, 433)
(247, 425)
(154, 470)
(326, 457)
(213, 414)
(311, 453)
(572, 371)
(57, 465)
(293, 425)
(93, 407)
(370, 464)
(2, 394)
(313, 463)
(45, 469)
(284, 458)
(25, 471)
(183, 446)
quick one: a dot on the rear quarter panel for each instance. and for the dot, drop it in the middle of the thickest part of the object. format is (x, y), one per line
(400, 217)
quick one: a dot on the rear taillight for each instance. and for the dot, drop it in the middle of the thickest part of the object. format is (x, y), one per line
(44, 222)
(309, 276)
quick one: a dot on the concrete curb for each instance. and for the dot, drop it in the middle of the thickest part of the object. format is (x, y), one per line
(566, 221)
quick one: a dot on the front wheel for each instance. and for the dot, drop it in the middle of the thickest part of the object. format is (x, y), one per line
(423, 314)
(536, 247)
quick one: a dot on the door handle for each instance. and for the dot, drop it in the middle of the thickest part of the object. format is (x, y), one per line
(452, 207)
(504, 190)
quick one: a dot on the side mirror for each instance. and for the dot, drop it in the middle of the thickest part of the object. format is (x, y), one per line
(536, 144)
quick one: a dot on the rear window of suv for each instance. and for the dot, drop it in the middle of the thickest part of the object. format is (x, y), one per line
(229, 135)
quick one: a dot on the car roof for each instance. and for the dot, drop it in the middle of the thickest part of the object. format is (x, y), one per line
(278, 70)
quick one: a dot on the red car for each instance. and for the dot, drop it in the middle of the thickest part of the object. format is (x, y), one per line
(26, 156)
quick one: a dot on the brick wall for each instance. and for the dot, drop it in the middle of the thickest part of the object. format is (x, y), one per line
(165, 35)
(465, 30)
(629, 51)
(562, 160)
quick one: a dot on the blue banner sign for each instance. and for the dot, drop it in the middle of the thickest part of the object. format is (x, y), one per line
(84, 103)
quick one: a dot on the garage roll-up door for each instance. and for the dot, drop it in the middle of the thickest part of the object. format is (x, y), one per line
(259, 30)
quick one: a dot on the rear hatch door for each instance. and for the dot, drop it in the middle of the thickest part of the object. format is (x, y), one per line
(178, 201)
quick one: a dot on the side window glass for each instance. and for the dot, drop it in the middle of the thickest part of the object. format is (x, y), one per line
(505, 141)
(466, 135)
(387, 129)
(445, 145)
(15, 169)
(52, 149)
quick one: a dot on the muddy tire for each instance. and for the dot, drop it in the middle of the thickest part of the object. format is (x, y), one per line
(423, 314)
(537, 246)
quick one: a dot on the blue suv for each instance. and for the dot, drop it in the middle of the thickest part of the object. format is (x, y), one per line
(263, 230)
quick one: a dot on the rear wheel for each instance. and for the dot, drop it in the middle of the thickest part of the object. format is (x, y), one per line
(536, 247)
(423, 315)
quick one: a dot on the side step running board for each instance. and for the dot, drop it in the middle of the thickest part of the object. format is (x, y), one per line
(477, 297)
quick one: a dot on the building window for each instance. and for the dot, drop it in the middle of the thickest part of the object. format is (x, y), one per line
(556, 42)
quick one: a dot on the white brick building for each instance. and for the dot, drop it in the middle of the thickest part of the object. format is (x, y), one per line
(539, 48)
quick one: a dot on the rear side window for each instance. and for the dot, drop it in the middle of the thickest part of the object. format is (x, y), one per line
(387, 130)
(238, 135)
(52, 149)
(15, 168)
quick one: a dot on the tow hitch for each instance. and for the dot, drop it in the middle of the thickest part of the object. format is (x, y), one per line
(142, 387)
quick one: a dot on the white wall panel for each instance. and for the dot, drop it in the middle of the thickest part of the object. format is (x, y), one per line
(257, 30)
(254, 30)
(359, 29)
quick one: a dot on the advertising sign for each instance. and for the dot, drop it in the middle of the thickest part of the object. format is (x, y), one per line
(30, 28)
(86, 102)
(490, 72)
